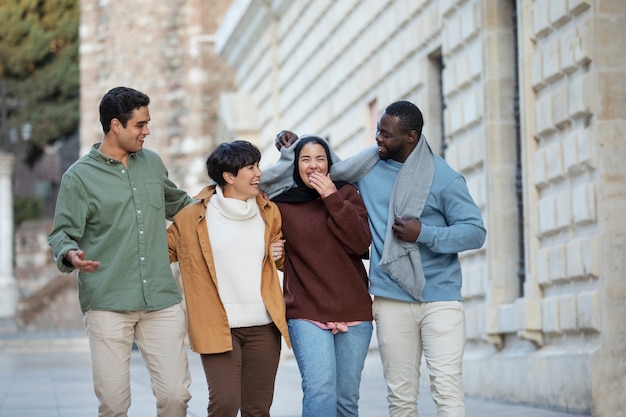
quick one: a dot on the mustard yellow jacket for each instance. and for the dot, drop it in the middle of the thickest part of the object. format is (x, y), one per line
(190, 245)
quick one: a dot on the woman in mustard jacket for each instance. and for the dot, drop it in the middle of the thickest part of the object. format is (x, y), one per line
(228, 246)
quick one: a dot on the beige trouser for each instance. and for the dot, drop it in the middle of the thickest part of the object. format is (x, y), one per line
(160, 338)
(405, 331)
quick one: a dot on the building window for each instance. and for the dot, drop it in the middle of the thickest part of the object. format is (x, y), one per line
(519, 185)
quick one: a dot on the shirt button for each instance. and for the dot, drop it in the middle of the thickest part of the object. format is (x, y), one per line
(145, 282)
(123, 171)
(141, 232)
(139, 211)
(142, 258)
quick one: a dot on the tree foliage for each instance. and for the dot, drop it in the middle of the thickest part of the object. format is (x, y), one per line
(39, 61)
(26, 208)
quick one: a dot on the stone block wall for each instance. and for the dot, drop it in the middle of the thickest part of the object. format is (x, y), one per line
(54, 308)
(543, 299)
(164, 49)
(330, 67)
(48, 299)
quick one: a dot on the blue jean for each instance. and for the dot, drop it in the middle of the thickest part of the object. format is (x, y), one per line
(330, 366)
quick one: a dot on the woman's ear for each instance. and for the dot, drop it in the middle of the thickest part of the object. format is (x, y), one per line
(228, 177)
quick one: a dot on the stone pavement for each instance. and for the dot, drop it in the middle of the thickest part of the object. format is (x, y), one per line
(52, 378)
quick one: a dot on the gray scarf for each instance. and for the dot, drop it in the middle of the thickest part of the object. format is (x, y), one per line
(401, 260)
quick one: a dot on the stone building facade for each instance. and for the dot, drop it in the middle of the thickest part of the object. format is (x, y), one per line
(166, 50)
(526, 99)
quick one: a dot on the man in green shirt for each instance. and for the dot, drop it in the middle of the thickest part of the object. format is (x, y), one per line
(110, 225)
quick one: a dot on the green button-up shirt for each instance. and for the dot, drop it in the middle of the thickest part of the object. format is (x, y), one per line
(117, 215)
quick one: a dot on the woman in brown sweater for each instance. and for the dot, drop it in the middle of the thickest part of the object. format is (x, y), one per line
(329, 310)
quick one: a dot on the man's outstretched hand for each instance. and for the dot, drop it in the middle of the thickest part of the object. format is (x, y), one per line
(77, 258)
(285, 138)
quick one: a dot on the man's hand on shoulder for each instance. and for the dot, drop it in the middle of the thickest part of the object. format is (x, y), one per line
(285, 138)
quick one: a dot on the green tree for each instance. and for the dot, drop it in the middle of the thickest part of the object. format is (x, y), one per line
(28, 208)
(39, 61)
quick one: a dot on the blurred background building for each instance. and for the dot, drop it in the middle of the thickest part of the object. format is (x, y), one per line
(165, 49)
(526, 98)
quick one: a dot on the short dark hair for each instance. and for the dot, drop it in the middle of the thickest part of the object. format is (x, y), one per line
(410, 116)
(119, 103)
(231, 157)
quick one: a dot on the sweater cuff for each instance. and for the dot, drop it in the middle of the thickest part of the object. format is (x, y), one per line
(62, 264)
(427, 235)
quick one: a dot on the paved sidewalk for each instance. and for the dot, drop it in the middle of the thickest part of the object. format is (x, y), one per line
(58, 383)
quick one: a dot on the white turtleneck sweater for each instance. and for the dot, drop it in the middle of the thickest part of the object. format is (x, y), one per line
(236, 230)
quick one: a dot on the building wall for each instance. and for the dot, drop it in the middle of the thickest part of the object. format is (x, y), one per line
(48, 299)
(545, 297)
(517, 95)
(164, 49)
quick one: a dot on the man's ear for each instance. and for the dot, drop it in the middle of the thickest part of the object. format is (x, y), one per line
(413, 137)
(115, 125)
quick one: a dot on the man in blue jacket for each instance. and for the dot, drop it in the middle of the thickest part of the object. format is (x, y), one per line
(421, 215)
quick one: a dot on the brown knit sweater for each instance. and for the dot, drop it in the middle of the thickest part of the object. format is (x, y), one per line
(324, 276)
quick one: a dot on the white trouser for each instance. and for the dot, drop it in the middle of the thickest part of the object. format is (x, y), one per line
(405, 330)
(160, 338)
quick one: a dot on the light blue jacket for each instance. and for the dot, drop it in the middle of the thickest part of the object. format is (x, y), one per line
(451, 223)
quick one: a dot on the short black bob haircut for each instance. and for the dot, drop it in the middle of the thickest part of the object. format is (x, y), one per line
(231, 157)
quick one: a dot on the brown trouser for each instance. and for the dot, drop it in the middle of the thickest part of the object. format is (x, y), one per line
(244, 377)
